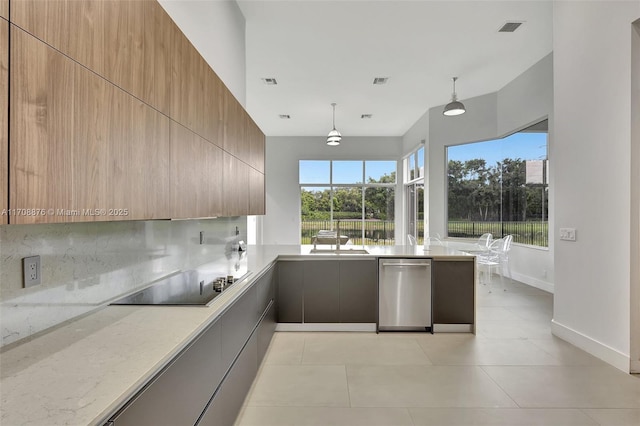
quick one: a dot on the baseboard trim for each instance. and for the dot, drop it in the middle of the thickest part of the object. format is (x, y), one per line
(325, 326)
(453, 328)
(598, 349)
(534, 282)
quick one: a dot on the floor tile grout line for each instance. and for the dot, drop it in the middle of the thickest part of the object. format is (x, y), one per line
(498, 384)
(346, 378)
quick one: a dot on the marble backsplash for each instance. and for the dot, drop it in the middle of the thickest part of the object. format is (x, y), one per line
(88, 265)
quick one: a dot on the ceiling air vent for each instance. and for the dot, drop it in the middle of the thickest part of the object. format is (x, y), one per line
(285, 116)
(380, 80)
(270, 81)
(509, 27)
(366, 116)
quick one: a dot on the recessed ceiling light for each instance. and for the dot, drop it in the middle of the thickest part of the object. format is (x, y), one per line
(285, 116)
(366, 116)
(380, 80)
(270, 81)
(510, 27)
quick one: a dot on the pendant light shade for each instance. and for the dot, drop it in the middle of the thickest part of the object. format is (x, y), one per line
(334, 137)
(454, 107)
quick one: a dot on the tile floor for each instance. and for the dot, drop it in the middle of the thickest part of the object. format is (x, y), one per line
(512, 373)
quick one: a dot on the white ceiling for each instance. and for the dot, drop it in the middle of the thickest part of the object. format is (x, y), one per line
(330, 51)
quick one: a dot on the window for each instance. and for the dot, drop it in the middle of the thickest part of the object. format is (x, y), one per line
(414, 165)
(360, 194)
(501, 186)
(414, 194)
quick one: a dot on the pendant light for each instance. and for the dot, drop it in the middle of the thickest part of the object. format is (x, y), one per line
(454, 107)
(334, 137)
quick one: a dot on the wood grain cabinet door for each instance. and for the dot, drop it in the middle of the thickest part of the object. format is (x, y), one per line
(159, 31)
(236, 186)
(187, 84)
(74, 27)
(235, 140)
(42, 117)
(82, 148)
(213, 120)
(256, 192)
(256, 145)
(4, 9)
(124, 44)
(4, 118)
(196, 175)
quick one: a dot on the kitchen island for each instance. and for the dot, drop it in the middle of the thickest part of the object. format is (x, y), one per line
(84, 371)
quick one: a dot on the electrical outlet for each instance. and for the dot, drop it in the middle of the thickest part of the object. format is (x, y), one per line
(31, 271)
(568, 234)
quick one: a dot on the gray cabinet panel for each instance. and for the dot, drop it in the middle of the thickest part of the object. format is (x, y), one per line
(359, 291)
(194, 376)
(321, 291)
(226, 403)
(290, 291)
(453, 292)
(237, 324)
(265, 331)
(266, 289)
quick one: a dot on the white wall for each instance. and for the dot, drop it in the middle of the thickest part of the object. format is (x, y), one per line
(281, 224)
(635, 200)
(592, 151)
(217, 30)
(525, 100)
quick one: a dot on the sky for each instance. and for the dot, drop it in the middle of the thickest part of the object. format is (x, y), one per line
(527, 146)
(343, 171)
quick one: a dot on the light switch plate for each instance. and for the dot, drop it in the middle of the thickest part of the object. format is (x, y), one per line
(568, 234)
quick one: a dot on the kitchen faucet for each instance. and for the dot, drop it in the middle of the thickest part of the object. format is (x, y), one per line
(337, 235)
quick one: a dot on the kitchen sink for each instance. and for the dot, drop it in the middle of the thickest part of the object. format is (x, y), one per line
(341, 251)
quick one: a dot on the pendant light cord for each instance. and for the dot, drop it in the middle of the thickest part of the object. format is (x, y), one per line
(334, 115)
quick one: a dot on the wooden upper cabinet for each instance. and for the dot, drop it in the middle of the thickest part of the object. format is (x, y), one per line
(256, 145)
(159, 30)
(106, 96)
(4, 9)
(235, 139)
(236, 186)
(213, 108)
(187, 84)
(74, 27)
(123, 147)
(4, 119)
(124, 44)
(196, 170)
(42, 117)
(81, 148)
(256, 192)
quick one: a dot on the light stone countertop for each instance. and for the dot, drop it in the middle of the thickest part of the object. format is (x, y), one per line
(79, 373)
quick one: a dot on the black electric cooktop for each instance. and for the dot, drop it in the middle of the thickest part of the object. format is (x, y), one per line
(183, 288)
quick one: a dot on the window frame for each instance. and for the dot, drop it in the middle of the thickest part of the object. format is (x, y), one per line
(363, 186)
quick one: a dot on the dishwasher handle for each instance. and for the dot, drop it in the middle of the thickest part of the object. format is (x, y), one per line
(408, 264)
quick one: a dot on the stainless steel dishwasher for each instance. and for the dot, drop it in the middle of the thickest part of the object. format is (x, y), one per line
(404, 294)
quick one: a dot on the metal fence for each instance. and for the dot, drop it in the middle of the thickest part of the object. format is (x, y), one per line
(532, 233)
(376, 232)
(382, 232)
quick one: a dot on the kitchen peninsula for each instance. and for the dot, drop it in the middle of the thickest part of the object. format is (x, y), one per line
(85, 371)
